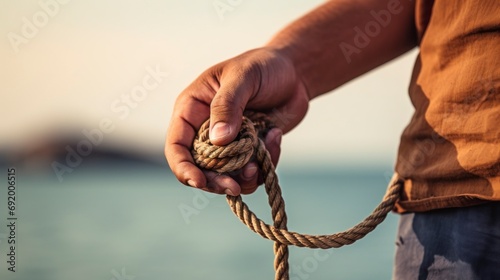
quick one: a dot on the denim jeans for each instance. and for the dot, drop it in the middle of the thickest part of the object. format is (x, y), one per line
(456, 243)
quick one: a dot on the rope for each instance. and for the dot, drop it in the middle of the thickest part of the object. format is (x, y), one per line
(248, 145)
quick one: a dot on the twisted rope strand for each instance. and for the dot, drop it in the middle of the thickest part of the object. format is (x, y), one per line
(277, 209)
(241, 210)
(238, 153)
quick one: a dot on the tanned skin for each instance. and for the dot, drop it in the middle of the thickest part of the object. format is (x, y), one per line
(301, 62)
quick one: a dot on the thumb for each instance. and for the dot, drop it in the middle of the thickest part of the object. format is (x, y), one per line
(226, 110)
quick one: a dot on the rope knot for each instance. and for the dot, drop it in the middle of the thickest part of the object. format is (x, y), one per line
(236, 154)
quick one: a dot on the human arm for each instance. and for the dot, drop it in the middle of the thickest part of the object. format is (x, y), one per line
(327, 50)
(302, 61)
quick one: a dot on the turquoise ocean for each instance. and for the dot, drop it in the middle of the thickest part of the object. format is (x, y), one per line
(118, 219)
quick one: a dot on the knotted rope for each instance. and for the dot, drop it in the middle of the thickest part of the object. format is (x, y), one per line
(248, 145)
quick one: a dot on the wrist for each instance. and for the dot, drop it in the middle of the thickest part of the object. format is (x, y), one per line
(286, 55)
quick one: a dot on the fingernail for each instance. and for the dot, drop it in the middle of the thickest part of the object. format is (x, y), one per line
(191, 183)
(250, 171)
(220, 129)
(229, 192)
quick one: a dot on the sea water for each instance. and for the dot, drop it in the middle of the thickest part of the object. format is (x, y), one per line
(124, 220)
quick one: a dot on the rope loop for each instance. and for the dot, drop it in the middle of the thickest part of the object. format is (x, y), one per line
(249, 145)
(225, 158)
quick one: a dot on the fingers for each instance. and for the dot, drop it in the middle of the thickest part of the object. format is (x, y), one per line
(221, 184)
(227, 106)
(247, 180)
(179, 140)
(181, 163)
(250, 178)
(187, 116)
(273, 144)
(222, 93)
(192, 108)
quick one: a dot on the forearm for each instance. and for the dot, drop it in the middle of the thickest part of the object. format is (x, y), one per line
(343, 39)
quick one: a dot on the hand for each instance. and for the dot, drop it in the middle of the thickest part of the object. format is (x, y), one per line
(261, 80)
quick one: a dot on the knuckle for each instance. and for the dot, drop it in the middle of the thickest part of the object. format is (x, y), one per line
(225, 106)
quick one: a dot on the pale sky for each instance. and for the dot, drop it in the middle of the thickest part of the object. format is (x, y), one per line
(68, 65)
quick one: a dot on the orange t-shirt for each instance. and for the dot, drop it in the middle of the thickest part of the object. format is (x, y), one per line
(449, 154)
